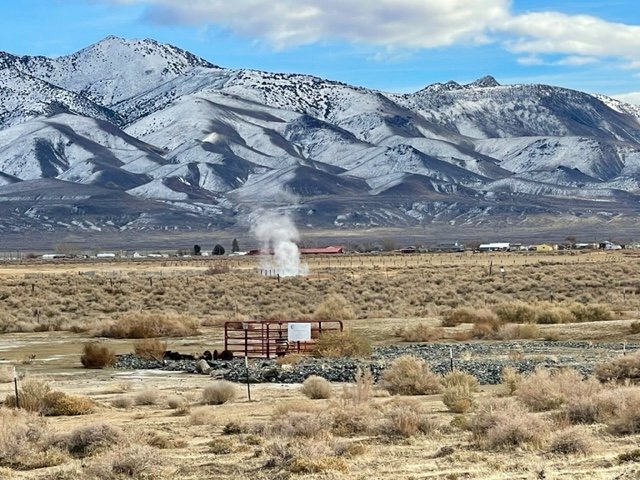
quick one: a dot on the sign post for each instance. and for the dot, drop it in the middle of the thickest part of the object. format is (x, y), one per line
(15, 386)
(298, 332)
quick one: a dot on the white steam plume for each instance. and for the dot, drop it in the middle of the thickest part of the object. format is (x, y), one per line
(277, 232)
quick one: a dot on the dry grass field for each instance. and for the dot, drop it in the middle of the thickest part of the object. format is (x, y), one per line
(111, 424)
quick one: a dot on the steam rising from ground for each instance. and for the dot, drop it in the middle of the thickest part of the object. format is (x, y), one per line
(277, 232)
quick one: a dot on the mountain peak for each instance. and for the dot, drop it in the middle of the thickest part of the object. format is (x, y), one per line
(484, 82)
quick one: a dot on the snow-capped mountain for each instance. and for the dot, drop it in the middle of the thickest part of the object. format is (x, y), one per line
(138, 134)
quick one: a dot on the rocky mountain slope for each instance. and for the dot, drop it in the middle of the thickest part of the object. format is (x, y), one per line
(134, 134)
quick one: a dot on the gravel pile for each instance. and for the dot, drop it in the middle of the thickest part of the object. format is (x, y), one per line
(484, 360)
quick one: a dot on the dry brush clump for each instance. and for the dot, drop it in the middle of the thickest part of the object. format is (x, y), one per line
(315, 388)
(626, 417)
(151, 325)
(573, 440)
(150, 348)
(342, 344)
(419, 333)
(97, 355)
(334, 307)
(89, 439)
(361, 390)
(623, 368)
(548, 390)
(127, 461)
(403, 417)
(23, 436)
(408, 375)
(504, 423)
(219, 392)
(37, 396)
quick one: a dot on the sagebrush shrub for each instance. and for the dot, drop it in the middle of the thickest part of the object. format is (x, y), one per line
(460, 315)
(21, 434)
(151, 325)
(302, 424)
(148, 396)
(506, 423)
(361, 390)
(58, 403)
(150, 348)
(334, 307)
(315, 387)
(32, 394)
(128, 461)
(419, 333)
(342, 344)
(219, 392)
(626, 367)
(86, 440)
(409, 375)
(574, 440)
(405, 418)
(546, 390)
(458, 398)
(516, 312)
(457, 378)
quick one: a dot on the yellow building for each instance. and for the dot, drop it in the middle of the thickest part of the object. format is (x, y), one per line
(544, 247)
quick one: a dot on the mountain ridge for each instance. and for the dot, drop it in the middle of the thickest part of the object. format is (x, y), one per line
(151, 121)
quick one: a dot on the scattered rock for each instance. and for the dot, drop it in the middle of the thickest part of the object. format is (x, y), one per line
(202, 366)
(484, 360)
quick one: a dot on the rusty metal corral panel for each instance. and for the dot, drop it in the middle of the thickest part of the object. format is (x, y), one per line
(268, 338)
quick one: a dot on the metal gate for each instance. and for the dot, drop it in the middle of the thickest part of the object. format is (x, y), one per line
(269, 338)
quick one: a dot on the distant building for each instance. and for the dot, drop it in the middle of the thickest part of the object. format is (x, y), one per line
(449, 247)
(495, 247)
(303, 251)
(322, 251)
(106, 255)
(411, 249)
(53, 256)
(544, 247)
(607, 245)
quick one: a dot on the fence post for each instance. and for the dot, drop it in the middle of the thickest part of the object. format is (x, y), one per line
(15, 386)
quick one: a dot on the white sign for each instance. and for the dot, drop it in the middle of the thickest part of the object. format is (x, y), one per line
(299, 332)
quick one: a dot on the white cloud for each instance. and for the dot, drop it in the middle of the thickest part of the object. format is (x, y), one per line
(579, 36)
(410, 25)
(631, 97)
(395, 23)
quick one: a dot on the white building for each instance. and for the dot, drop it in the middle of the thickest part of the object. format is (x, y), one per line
(495, 247)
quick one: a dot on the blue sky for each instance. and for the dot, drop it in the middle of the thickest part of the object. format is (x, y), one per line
(392, 45)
